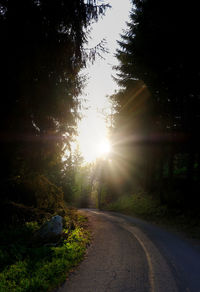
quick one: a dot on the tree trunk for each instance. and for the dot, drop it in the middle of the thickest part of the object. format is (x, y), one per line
(99, 195)
(171, 165)
(160, 176)
(190, 168)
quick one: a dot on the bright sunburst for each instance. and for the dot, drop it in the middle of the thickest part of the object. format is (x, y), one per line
(104, 147)
(92, 139)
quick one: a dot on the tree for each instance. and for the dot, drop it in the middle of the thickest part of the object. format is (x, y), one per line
(42, 54)
(161, 50)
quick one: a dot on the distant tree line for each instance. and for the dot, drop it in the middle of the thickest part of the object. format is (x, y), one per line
(42, 52)
(155, 132)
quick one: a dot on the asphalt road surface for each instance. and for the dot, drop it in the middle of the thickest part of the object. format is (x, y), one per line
(128, 254)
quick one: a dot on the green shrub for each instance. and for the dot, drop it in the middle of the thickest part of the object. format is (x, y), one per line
(31, 198)
(139, 204)
(29, 268)
(41, 193)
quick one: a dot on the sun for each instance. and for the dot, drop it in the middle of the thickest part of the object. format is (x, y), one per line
(93, 139)
(104, 148)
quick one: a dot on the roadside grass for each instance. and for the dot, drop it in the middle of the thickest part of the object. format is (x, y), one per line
(145, 206)
(25, 266)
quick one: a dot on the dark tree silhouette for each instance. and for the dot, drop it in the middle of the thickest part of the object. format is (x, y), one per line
(41, 56)
(160, 48)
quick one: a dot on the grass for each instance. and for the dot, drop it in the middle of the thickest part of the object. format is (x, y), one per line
(28, 267)
(147, 207)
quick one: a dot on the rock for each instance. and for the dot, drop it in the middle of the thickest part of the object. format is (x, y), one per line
(51, 230)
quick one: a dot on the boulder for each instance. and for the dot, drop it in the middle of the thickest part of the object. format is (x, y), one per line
(51, 230)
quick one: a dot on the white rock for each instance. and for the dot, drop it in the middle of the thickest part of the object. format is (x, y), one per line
(51, 229)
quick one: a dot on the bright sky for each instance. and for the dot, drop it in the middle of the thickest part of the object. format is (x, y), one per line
(92, 128)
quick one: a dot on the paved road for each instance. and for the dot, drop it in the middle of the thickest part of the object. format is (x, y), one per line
(128, 254)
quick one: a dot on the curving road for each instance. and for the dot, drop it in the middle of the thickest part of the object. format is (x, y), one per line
(129, 254)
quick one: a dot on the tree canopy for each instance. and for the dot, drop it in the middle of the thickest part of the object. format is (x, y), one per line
(42, 52)
(158, 104)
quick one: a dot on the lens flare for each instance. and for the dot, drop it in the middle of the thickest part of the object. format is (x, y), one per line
(104, 148)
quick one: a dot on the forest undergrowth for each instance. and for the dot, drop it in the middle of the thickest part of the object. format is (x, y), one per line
(148, 207)
(31, 266)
